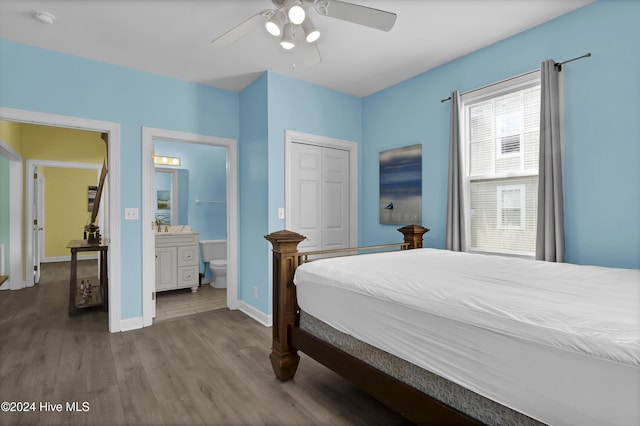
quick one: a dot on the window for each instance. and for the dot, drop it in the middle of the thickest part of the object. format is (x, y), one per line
(511, 207)
(501, 140)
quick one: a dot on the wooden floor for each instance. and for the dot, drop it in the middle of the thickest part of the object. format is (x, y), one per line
(205, 369)
(180, 303)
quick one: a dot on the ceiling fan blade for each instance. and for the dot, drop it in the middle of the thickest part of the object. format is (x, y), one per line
(363, 15)
(241, 30)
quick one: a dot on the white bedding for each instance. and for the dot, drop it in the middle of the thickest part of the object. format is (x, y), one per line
(558, 342)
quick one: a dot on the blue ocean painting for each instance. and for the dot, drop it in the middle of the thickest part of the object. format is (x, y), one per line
(401, 186)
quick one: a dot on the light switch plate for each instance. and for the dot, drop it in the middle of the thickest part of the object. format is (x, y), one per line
(130, 213)
(280, 212)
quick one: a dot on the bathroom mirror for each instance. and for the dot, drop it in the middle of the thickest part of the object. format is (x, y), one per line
(171, 194)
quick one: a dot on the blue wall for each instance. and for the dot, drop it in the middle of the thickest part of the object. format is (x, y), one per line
(272, 104)
(253, 201)
(602, 132)
(207, 180)
(300, 106)
(51, 82)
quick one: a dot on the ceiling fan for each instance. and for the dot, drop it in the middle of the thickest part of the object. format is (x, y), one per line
(291, 22)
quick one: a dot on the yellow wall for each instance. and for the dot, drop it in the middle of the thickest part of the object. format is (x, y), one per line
(65, 207)
(65, 221)
(10, 133)
(40, 142)
(61, 144)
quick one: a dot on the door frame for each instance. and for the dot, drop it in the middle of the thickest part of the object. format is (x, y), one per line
(291, 137)
(148, 233)
(38, 204)
(113, 225)
(15, 281)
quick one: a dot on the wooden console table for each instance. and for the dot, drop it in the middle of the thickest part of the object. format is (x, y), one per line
(91, 294)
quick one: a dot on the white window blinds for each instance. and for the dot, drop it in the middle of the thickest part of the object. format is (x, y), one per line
(501, 131)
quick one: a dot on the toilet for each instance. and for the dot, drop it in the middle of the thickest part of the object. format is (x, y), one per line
(214, 256)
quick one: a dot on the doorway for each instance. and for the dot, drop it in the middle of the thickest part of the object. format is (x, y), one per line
(68, 224)
(113, 214)
(321, 196)
(149, 135)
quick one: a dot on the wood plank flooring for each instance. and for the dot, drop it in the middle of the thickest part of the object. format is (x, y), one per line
(206, 369)
(182, 302)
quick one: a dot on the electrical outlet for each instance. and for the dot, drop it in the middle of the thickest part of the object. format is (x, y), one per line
(131, 213)
(255, 292)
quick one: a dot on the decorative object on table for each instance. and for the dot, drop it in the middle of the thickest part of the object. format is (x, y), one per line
(401, 185)
(91, 197)
(92, 230)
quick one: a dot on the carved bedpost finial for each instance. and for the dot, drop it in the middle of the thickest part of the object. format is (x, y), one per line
(284, 357)
(413, 235)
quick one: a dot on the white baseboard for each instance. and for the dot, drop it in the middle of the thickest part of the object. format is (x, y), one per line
(254, 313)
(13, 285)
(131, 324)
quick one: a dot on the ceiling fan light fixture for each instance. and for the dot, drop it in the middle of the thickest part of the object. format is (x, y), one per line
(276, 23)
(287, 37)
(296, 13)
(311, 33)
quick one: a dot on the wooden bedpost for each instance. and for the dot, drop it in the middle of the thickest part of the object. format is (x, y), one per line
(284, 357)
(413, 235)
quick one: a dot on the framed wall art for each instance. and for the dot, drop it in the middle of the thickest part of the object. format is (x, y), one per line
(401, 186)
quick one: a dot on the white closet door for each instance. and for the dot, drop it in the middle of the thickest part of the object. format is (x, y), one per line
(320, 196)
(335, 198)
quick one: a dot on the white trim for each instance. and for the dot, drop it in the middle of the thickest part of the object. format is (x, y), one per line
(256, 314)
(473, 97)
(15, 281)
(113, 224)
(2, 262)
(291, 137)
(148, 246)
(131, 324)
(7, 152)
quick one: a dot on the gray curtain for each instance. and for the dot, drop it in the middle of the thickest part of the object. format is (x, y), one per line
(455, 223)
(550, 232)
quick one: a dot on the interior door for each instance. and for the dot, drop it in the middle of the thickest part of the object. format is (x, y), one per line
(38, 222)
(335, 198)
(320, 196)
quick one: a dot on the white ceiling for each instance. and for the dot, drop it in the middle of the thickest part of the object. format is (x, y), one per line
(172, 37)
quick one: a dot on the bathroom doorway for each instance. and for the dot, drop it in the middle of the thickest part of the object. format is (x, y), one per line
(197, 194)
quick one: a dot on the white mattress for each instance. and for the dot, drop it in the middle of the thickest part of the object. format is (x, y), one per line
(558, 342)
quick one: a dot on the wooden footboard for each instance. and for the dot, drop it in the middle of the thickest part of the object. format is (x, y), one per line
(286, 258)
(288, 338)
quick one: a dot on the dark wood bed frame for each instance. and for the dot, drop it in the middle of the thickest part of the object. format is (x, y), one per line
(288, 338)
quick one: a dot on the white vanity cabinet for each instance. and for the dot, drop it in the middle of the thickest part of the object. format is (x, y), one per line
(177, 261)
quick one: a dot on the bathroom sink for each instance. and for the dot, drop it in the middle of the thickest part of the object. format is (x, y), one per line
(173, 229)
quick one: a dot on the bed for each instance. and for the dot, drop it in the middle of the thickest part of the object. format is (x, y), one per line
(458, 338)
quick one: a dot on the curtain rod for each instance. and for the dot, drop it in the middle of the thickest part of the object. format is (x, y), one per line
(559, 64)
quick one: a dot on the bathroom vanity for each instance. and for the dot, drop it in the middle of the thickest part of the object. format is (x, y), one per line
(177, 261)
